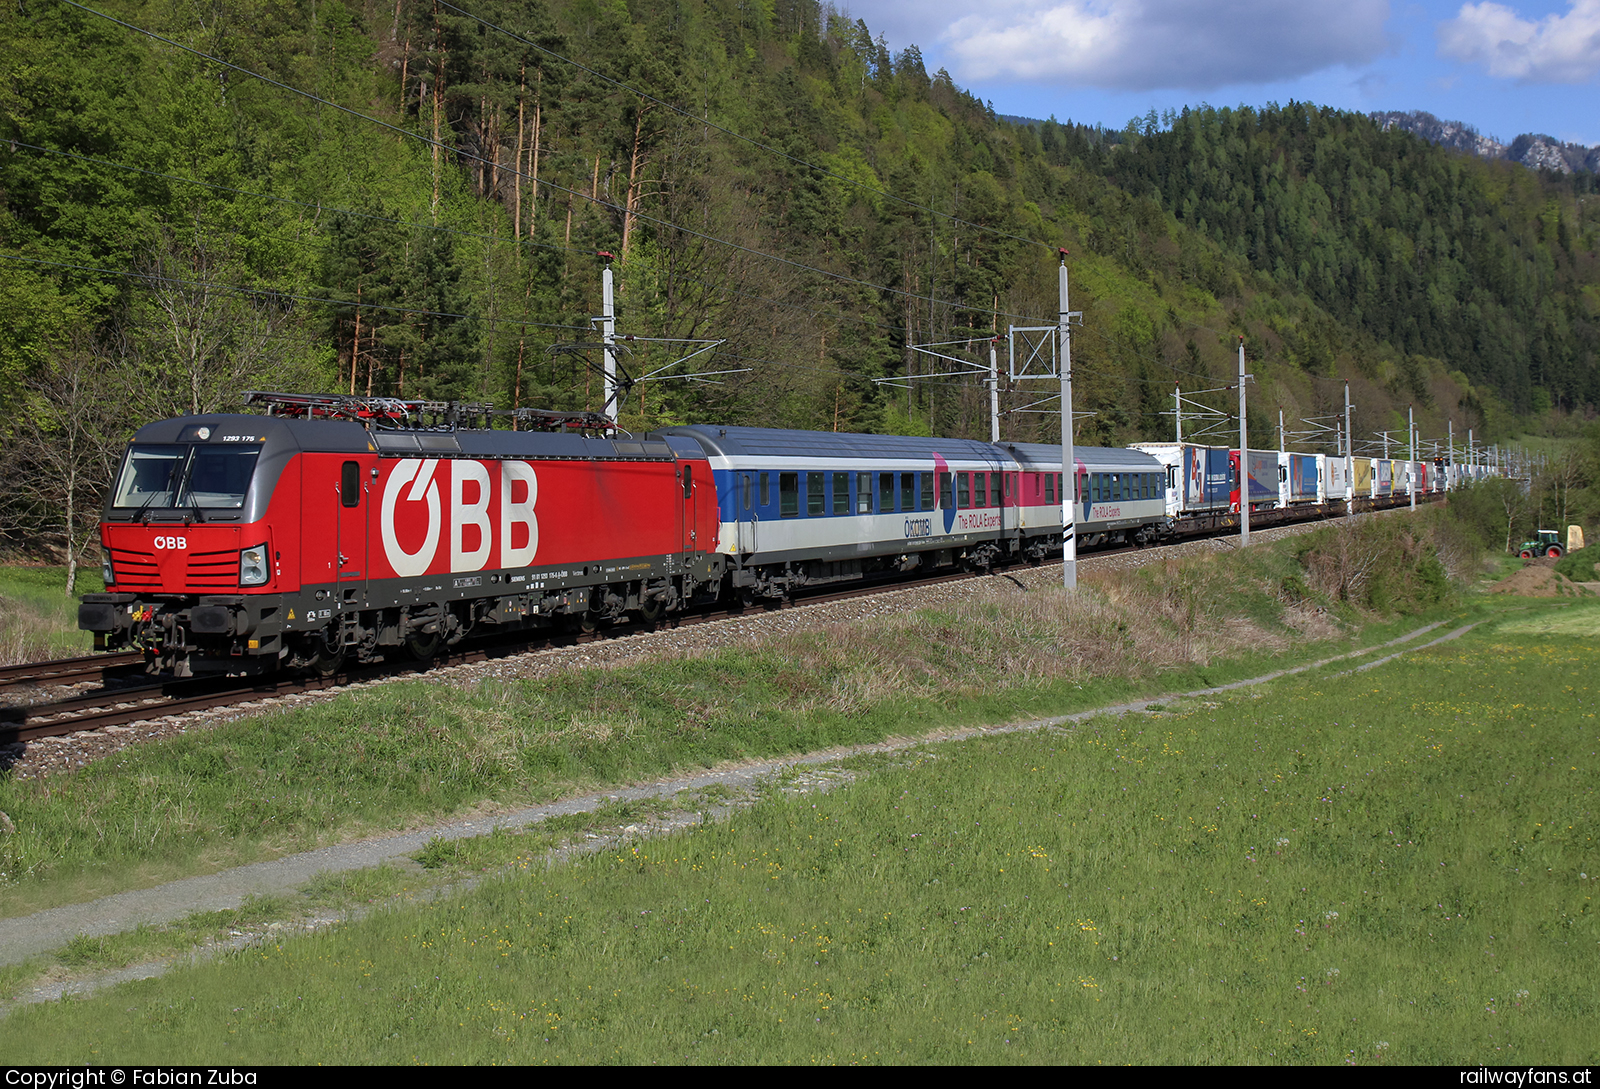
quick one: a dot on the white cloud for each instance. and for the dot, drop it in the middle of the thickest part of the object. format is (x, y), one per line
(1140, 45)
(1556, 49)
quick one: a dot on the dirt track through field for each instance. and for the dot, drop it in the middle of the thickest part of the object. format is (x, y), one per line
(31, 935)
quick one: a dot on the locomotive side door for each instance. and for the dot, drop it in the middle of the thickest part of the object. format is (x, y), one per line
(686, 478)
(352, 543)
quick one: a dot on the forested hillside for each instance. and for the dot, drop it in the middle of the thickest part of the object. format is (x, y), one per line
(408, 197)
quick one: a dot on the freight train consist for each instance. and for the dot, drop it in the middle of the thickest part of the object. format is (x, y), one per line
(333, 528)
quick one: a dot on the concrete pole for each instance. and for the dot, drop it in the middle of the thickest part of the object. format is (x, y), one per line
(608, 336)
(1069, 471)
(1349, 459)
(1244, 460)
(1450, 456)
(1411, 472)
(994, 391)
(1177, 404)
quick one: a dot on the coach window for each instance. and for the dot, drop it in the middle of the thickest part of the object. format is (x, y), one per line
(766, 493)
(885, 492)
(1008, 478)
(1061, 489)
(788, 494)
(1049, 487)
(816, 501)
(994, 489)
(927, 490)
(946, 498)
(980, 489)
(963, 491)
(746, 478)
(908, 491)
(841, 493)
(863, 493)
(350, 485)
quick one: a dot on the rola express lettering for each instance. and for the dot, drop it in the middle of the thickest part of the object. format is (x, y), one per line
(414, 518)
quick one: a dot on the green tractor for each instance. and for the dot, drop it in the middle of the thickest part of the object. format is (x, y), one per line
(1547, 544)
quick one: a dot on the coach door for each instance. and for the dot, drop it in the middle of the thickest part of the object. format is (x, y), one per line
(745, 517)
(353, 550)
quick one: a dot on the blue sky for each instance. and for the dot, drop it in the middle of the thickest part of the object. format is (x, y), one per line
(1504, 68)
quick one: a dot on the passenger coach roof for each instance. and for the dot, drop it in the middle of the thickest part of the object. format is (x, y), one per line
(771, 442)
(1106, 459)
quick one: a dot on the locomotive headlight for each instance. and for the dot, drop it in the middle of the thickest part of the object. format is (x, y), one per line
(253, 566)
(107, 575)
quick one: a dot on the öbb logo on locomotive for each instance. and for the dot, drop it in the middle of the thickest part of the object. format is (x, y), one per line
(334, 528)
(476, 489)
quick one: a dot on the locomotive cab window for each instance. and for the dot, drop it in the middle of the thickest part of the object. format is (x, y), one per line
(199, 477)
(350, 484)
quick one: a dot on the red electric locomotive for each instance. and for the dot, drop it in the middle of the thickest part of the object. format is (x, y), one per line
(343, 526)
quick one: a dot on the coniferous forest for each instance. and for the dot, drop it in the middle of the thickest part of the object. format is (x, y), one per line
(410, 198)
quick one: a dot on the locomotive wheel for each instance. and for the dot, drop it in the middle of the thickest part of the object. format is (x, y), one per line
(328, 661)
(1554, 552)
(653, 609)
(423, 646)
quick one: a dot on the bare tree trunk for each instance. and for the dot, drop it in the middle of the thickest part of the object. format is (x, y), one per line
(516, 215)
(355, 345)
(533, 203)
(438, 110)
(635, 162)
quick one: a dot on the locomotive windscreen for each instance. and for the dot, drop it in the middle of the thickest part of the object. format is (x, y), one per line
(180, 475)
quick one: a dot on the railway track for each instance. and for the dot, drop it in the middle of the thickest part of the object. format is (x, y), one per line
(125, 705)
(69, 670)
(160, 698)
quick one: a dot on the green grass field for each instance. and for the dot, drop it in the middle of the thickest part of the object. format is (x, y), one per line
(1396, 866)
(404, 753)
(37, 618)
